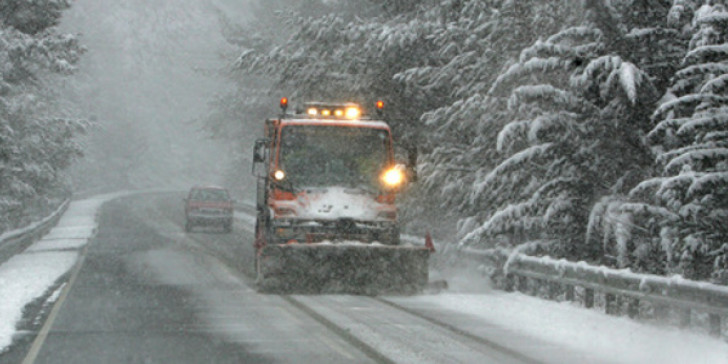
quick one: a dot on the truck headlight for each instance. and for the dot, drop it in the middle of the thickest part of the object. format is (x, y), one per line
(393, 177)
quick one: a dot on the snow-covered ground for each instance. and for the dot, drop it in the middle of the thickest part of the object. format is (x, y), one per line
(28, 276)
(587, 335)
(567, 332)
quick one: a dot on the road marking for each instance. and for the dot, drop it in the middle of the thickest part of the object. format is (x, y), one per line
(342, 332)
(492, 344)
(43, 333)
(328, 342)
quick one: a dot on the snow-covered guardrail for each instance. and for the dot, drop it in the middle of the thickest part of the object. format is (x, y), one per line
(15, 241)
(622, 290)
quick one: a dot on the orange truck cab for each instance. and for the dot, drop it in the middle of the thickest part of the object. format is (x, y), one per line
(326, 174)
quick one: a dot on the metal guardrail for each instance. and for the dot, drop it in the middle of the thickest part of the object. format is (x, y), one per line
(15, 241)
(622, 289)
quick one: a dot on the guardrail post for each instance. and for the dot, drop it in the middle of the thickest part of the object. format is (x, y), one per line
(536, 285)
(610, 304)
(523, 284)
(633, 308)
(553, 290)
(588, 298)
(684, 317)
(714, 321)
(508, 283)
(569, 292)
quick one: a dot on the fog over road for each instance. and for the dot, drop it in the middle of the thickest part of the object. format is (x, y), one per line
(146, 79)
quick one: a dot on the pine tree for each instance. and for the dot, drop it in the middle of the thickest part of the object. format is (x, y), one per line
(476, 39)
(687, 203)
(36, 135)
(576, 116)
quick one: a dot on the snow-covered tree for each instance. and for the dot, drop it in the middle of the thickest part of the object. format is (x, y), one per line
(474, 40)
(685, 206)
(576, 114)
(35, 130)
(32, 16)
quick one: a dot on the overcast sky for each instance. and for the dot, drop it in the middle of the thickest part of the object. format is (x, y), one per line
(146, 79)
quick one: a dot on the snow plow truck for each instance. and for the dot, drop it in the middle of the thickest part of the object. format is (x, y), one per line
(326, 216)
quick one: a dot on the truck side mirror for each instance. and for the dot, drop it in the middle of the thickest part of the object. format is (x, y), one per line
(259, 151)
(259, 154)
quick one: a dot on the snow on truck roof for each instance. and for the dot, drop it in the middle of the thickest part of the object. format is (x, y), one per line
(375, 124)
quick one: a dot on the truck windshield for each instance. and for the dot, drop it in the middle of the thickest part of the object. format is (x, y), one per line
(323, 155)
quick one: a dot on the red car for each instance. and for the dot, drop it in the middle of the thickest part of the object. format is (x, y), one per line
(209, 205)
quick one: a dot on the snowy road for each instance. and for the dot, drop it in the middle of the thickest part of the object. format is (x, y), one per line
(146, 292)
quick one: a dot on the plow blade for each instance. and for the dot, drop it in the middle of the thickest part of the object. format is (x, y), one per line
(353, 269)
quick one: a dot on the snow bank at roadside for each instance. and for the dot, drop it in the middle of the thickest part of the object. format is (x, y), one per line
(23, 279)
(28, 276)
(592, 335)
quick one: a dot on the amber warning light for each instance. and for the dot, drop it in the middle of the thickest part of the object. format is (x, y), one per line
(284, 104)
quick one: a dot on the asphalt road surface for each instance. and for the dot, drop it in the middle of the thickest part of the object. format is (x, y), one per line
(147, 292)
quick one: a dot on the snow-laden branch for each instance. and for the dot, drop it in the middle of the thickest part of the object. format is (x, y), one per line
(527, 155)
(550, 97)
(707, 53)
(701, 69)
(696, 155)
(683, 103)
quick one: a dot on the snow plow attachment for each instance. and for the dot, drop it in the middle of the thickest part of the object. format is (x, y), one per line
(342, 268)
